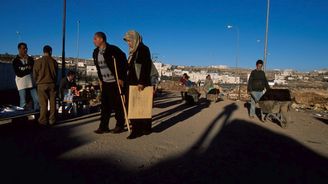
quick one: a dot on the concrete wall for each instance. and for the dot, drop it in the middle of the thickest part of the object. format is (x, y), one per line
(7, 77)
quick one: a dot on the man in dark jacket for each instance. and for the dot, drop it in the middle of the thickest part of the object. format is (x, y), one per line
(23, 67)
(67, 83)
(45, 74)
(257, 82)
(110, 99)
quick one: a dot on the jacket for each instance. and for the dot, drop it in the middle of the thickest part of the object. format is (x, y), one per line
(21, 69)
(208, 84)
(64, 86)
(257, 81)
(121, 61)
(45, 70)
(140, 66)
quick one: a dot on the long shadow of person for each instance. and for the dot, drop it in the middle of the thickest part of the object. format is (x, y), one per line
(165, 104)
(185, 112)
(226, 113)
(241, 152)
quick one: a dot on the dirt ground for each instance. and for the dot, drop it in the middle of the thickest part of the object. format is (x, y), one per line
(205, 143)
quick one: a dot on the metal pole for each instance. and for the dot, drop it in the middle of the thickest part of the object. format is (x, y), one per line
(77, 42)
(266, 36)
(63, 41)
(238, 48)
(237, 59)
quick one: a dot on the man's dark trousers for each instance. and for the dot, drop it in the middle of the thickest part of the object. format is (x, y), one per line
(111, 100)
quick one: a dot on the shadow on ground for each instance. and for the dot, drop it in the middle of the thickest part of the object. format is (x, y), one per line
(242, 152)
(236, 152)
(184, 112)
(323, 120)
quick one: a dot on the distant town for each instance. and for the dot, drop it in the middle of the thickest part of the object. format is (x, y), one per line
(221, 74)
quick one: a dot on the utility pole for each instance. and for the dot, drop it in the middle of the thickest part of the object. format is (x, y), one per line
(237, 56)
(63, 40)
(77, 42)
(237, 60)
(266, 36)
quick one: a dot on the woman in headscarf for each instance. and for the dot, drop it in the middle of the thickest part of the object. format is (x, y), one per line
(139, 74)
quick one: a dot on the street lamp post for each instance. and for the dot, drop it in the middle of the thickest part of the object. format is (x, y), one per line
(266, 36)
(78, 42)
(237, 54)
(237, 43)
(63, 39)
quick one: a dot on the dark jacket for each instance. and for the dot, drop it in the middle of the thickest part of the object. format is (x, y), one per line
(64, 86)
(141, 58)
(257, 81)
(23, 69)
(45, 70)
(120, 57)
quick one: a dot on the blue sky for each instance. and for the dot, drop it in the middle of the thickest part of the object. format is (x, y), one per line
(181, 32)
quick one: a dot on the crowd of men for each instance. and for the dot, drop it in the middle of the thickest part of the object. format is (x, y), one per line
(116, 73)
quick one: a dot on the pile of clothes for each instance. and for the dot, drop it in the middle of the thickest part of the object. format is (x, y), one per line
(10, 109)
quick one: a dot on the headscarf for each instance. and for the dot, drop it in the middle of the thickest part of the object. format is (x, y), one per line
(134, 37)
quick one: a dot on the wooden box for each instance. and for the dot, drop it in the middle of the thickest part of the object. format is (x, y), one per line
(140, 103)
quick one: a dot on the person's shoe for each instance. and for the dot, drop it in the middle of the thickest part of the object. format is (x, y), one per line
(52, 123)
(251, 117)
(283, 124)
(117, 130)
(100, 131)
(31, 117)
(43, 125)
(133, 136)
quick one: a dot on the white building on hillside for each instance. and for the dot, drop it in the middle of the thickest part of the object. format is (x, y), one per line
(92, 71)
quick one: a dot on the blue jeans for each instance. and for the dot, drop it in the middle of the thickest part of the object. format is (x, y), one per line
(22, 98)
(255, 97)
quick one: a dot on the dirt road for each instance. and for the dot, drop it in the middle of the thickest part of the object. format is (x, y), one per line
(205, 143)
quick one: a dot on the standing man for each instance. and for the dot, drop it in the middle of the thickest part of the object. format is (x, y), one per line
(110, 98)
(23, 67)
(257, 82)
(45, 75)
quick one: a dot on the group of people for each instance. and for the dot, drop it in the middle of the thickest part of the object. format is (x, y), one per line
(208, 87)
(39, 79)
(256, 87)
(116, 73)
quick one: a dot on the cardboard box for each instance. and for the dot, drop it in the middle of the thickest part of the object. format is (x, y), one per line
(140, 103)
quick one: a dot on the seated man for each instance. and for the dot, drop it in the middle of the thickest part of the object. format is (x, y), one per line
(67, 83)
(208, 85)
(184, 81)
(257, 82)
(67, 90)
